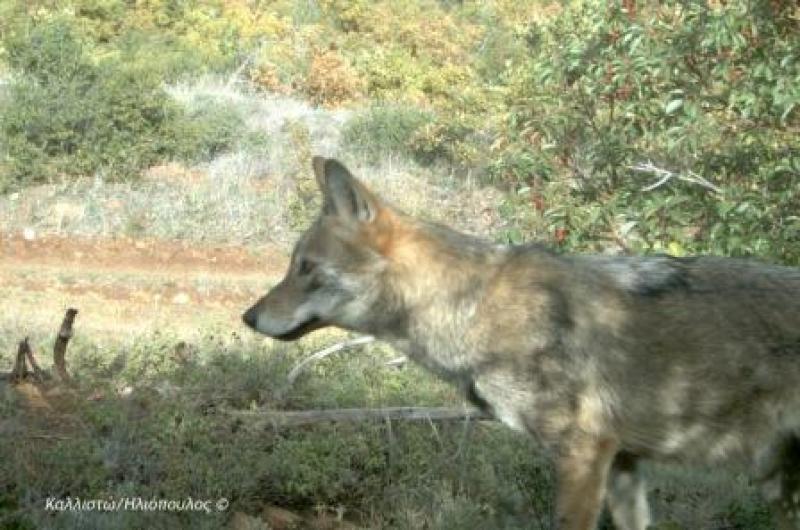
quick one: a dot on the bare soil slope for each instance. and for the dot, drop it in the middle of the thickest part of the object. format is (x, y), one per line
(124, 285)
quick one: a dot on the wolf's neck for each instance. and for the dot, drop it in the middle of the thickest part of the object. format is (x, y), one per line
(440, 281)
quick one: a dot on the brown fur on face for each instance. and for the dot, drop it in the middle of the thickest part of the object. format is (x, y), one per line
(604, 360)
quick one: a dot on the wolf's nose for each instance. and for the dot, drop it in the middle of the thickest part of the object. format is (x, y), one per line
(250, 318)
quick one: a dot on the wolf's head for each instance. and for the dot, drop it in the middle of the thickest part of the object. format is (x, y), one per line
(337, 269)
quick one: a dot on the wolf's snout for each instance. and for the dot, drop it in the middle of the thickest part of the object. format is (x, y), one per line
(250, 317)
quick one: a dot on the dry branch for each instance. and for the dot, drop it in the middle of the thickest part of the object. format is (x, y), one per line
(316, 356)
(60, 347)
(56, 437)
(397, 362)
(38, 373)
(20, 367)
(24, 357)
(274, 418)
(665, 176)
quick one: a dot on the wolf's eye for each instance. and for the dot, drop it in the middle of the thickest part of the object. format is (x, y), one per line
(305, 267)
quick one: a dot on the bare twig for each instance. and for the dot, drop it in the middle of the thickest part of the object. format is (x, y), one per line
(60, 347)
(665, 176)
(694, 178)
(40, 374)
(660, 182)
(275, 418)
(20, 367)
(435, 432)
(321, 354)
(56, 437)
(397, 362)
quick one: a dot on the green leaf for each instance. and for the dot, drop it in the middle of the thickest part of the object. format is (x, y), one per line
(675, 249)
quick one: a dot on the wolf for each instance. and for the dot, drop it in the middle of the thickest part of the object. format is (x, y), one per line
(604, 360)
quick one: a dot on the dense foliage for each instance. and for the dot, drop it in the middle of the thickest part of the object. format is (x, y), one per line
(711, 95)
(576, 110)
(70, 113)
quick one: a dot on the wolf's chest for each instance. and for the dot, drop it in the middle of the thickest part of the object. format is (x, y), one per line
(504, 399)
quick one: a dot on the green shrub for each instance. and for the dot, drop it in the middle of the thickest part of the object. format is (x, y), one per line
(207, 128)
(68, 115)
(451, 139)
(385, 130)
(698, 91)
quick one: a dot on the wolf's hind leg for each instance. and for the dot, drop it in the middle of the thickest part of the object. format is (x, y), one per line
(627, 494)
(781, 486)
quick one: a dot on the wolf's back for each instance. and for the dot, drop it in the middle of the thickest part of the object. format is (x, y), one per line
(710, 351)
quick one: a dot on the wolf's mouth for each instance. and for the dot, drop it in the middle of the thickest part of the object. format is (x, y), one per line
(301, 329)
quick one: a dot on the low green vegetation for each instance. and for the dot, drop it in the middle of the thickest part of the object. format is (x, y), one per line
(157, 424)
(386, 131)
(66, 114)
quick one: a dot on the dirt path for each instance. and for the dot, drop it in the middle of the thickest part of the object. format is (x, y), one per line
(124, 285)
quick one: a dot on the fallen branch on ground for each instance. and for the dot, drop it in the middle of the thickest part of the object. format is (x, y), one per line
(25, 356)
(55, 437)
(281, 418)
(20, 369)
(397, 362)
(37, 371)
(321, 354)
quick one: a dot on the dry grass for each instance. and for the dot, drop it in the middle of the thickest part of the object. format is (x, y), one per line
(241, 197)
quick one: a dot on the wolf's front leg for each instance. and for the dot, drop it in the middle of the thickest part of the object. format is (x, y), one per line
(782, 486)
(582, 466)
(627, 495)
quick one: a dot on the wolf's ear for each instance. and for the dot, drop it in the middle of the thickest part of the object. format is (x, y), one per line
(343, 194)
